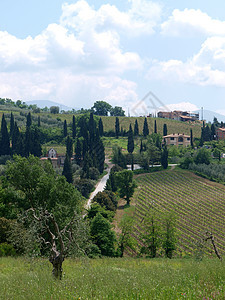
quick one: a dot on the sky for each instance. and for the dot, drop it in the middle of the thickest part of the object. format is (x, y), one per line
(142, 55)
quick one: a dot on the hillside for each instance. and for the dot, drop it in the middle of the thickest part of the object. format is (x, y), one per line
(198, 204)
(172, 125)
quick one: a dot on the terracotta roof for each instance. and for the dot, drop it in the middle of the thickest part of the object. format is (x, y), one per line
(177, 135)
(221, 129)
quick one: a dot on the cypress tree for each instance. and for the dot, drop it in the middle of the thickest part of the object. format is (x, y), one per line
(136, 129)
(84, 148)
(67, 169)
(39, 121)
(69, 147)
(28, 142)
(86, 166)
(155, 127)
(5, 143)
(191, 138)
(74, 128)
(12, 122)
(164, 130)
(78, 152)
(117, 127)
(100, 127)
(213, 132)
(92, 131)
(29, 120)
(65, 128)
(130, 144)
(164, 157)
(141, 147)
(145, 128)
(100, 155)
(35, 144)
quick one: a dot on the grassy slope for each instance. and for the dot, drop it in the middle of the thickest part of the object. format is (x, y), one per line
(199, 205)
(172, 125)
(113, 279)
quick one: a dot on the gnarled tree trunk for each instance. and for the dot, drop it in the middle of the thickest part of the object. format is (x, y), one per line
(56, 259)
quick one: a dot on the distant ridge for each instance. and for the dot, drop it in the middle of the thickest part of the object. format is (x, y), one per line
(44, 103)
(209, 115)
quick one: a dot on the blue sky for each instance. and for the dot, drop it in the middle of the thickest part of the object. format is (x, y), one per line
(78, 52)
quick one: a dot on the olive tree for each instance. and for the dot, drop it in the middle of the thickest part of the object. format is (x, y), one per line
(50, 202)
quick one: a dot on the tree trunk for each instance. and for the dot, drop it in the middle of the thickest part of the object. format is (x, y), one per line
(56, 260)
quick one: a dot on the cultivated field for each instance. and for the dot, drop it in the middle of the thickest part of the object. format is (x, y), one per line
(123, 279)
(199, 206)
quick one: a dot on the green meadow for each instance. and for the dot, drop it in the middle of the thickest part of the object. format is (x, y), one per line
(113, 278)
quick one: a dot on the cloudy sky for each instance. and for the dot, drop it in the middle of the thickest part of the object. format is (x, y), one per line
(78, 52)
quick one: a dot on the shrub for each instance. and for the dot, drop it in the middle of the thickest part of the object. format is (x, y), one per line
(7, 250)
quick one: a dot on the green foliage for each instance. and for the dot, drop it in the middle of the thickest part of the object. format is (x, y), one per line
(130, 143)
(54, 109)
(136, 128)
(74, 128)
(67, 169)
(100, 127)
(102, 235)
(119, 158)
(117, 127)
(164, 130)
(84, 186)
(164, 158)
(125, 184)
(117, 111)
(145, 128)
(202, 156)
(65, 132)
(7, 250)
(101, 108)
(105, 199)
(97, 208)
(125, 239)
(4, 138)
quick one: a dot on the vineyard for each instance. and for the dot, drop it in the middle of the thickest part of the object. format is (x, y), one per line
(198, 205)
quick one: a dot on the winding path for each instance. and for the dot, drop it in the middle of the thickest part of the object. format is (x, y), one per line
(100, 185)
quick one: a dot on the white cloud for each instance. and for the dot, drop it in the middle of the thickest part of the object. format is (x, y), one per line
(205, 68)
(79, 58)
(142, 17)
(190, 22)
(184, 106)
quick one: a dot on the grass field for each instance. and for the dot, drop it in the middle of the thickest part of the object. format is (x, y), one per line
(199, 206)
(113, 279)
(172, 125)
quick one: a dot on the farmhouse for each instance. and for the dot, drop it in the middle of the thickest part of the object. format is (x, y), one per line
(220, 133)
(178, 115)
(177, 139)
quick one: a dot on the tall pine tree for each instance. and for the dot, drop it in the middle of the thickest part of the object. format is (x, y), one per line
(100, 127)
(74, 128)
(78, 152)
(65, 128)
(130, 144)
(164, 129)
(145, 128)
(136, 128)
(155, 127)
(117, 127)
(69, 146)
(5, 143)
(12, 123)
(67, 169)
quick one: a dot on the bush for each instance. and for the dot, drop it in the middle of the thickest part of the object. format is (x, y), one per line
(94, 173)
(84, 186)
(7, 250)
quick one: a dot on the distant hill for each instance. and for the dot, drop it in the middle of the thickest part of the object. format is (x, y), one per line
(44, 103)
(209, 115)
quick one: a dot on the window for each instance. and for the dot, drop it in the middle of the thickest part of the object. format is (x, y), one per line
(172, 138)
